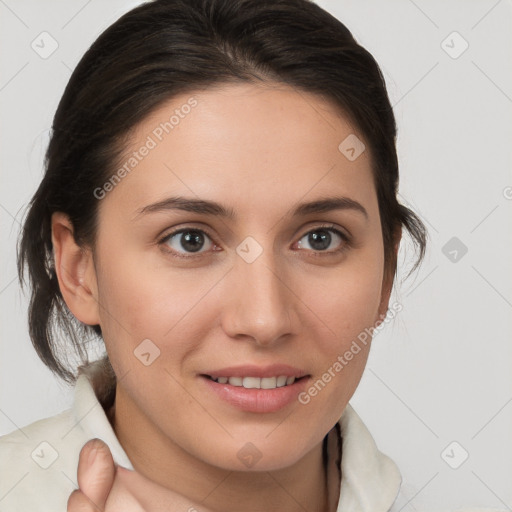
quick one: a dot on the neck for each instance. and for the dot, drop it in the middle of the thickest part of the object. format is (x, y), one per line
(299, 487)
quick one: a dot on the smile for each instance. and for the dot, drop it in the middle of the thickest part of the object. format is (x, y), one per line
(263, 394)
(256, 382)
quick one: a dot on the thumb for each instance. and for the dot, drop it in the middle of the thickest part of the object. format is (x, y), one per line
(96, 471)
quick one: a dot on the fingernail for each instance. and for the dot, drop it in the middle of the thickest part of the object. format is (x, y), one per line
(92, 456)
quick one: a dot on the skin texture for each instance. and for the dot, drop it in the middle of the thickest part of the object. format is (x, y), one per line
(260, 150)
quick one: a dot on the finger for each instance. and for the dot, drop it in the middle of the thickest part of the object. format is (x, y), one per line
(78, 502)
(96, 471)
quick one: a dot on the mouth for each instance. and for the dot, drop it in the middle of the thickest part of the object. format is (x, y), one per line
(256, 389)
(248, 382)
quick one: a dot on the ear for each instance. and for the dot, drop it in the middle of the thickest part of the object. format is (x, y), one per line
(389, 277)
(75, 271)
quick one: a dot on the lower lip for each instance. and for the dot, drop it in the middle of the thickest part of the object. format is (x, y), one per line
(257, 400)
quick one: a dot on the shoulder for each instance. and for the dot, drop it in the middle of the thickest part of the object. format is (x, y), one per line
(38, 464)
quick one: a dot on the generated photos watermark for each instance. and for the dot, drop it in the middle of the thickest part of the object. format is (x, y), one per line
(152, 140)
(343, 360)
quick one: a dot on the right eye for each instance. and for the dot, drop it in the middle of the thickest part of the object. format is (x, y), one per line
(189, 240)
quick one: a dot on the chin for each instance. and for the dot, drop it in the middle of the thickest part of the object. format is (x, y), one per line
(252, 456)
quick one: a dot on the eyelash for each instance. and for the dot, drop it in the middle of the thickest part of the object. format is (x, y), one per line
(345, 246)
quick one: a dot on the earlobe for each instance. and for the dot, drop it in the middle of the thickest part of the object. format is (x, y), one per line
(75, 271)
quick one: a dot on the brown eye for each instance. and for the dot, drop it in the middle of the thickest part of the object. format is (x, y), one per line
(186, 241)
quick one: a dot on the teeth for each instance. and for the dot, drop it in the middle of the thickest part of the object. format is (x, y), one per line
(281, 381)
(268, 383)
(256, 382)
(251, 382)
(235, 381)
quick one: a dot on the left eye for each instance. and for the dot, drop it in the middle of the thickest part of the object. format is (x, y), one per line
(320, 239)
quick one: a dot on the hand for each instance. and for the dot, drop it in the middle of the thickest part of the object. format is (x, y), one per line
(107, 487)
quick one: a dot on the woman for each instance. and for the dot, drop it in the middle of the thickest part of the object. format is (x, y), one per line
(219, 206)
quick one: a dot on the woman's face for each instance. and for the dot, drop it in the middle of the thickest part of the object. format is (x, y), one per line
(212, 260)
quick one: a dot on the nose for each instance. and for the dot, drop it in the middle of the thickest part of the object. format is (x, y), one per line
(261, 305)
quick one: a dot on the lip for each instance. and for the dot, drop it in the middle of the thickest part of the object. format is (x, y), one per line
(256, 400)
(273, 370)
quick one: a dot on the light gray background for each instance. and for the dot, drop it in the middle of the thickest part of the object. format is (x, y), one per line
(442, 371)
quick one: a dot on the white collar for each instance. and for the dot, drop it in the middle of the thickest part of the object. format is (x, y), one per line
(370, 479)
(89, 413)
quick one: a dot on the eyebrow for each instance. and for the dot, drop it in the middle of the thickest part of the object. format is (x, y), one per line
(207, 207)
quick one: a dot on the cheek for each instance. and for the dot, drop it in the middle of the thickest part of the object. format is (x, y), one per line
(344, 309)
(348, 301)
(142, 302)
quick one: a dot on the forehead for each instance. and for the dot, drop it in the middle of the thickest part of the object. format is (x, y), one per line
(258, 145)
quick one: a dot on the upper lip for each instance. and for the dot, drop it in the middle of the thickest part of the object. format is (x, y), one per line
(273, 370)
